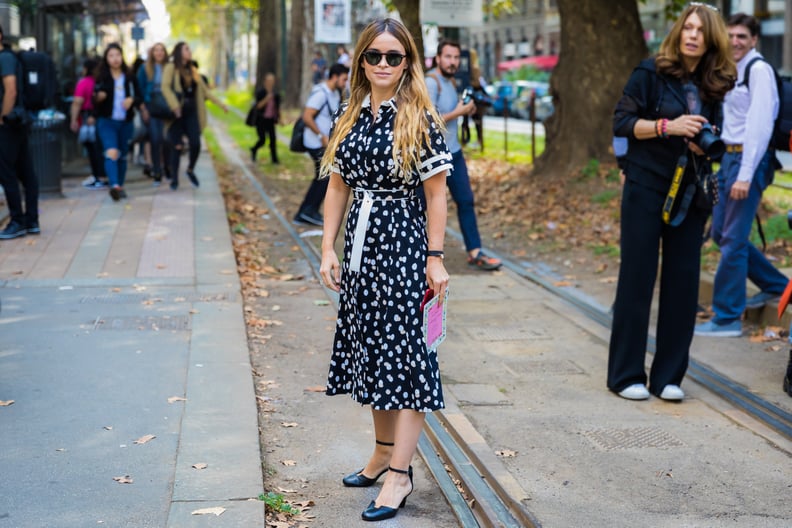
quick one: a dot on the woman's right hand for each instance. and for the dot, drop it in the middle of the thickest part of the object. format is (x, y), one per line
(330, 270)
(687, 125)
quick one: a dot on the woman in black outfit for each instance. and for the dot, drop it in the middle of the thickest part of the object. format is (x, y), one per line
(666, 102)
(267, 116)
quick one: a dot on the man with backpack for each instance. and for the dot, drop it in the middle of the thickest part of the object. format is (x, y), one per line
(323, 102)
(747, 168)
(16, 164)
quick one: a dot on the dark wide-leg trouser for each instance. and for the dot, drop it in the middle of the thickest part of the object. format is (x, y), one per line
(643, 233)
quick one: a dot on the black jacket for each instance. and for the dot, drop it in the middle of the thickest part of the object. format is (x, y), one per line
(107, 85)
(649, 95)
(261, 93)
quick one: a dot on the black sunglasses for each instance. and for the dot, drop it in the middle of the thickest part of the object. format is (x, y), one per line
(375, 57)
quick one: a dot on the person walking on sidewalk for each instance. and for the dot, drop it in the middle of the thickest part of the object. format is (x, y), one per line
(442, 92)
(186, 93)
(16, 164)
(116, 95)
(150, 80)
(83, 122)
(659, 122)
(267, 116)
(323, 102)
(746, 170)
(386, 143)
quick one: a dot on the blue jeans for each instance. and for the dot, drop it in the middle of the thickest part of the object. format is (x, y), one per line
(157, 139)
(115, 135)
(731, 227)
(459, 185)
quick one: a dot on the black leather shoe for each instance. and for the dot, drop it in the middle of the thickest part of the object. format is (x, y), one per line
(374, 513)
(359, 480)
(33, 228)
(193, 178)
(13, 230)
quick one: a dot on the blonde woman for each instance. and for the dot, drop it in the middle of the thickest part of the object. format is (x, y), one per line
(387, 142)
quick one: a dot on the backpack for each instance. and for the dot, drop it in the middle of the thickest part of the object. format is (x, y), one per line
(780, 138)
(296, 142)
(36, 80)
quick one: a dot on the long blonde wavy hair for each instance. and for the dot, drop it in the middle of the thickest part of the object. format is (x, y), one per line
(411, 127)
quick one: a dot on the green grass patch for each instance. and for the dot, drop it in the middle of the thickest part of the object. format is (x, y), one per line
(275, 502)
(497, 145)
(608, 250)
(605, 196)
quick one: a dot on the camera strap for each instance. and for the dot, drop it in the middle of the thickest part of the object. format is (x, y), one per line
(673, 193)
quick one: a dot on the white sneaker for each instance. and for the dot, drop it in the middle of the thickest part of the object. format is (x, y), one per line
(672, 393)
(636, 391)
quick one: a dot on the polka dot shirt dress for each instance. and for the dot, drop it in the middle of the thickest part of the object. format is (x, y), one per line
(379, 354)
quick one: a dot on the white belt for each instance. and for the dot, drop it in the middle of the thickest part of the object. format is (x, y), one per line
(368, 197)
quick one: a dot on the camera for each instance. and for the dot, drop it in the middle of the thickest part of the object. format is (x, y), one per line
(467, 95)
(709, 142)
(17, 118)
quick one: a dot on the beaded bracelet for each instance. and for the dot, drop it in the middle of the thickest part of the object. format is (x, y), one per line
(664, 130)
(657, 127)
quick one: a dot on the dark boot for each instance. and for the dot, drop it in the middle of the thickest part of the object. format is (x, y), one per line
(788, 377)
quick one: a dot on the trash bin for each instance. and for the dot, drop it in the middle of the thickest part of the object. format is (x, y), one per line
(46, 136)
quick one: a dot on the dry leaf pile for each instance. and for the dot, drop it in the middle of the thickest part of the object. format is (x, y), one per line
(523, 208)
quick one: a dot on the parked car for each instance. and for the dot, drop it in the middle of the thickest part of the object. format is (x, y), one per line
(516, 97)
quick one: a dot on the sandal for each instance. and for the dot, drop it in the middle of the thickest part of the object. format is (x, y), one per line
(483, 262)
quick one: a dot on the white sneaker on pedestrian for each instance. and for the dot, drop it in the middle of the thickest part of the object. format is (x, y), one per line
(672, 393)
(636, 391)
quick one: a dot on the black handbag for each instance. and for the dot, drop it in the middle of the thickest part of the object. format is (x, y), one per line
(252, 116)
(158, 107)
(296, 144)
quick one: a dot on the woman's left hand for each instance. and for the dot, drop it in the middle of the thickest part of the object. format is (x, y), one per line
(437, 277)
(128, 102)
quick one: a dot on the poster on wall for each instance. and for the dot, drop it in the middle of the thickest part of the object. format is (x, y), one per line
(333, 21)
(452, 13)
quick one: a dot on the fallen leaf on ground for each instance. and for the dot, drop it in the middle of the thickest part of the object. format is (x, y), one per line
(144, 439)
(126, 479)
(218, 510)
(6, 403)
(200, 465)
(289, 424)
(108, 427)
(562, 284)
(320, 302)
(174, 399)
(316, 388)
(506, 453)
(289, 463)
(284, 490)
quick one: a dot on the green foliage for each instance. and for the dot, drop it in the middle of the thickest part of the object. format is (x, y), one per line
(275, 501)
(605, 196)
(527, 73)
(673, 8)
(591, 170)
(608, 250)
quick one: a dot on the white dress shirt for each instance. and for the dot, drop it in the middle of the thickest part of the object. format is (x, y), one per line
(749, 114)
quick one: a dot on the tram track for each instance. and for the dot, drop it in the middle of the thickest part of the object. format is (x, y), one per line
(468, 482)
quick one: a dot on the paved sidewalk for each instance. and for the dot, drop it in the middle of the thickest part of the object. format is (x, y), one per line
(109, 318)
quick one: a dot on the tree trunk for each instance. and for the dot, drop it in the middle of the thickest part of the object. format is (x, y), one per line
(601, 43)
(410, 12)
(269, 29)
(300, 46)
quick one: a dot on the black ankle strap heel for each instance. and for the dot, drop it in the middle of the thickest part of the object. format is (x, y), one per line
(389, 444)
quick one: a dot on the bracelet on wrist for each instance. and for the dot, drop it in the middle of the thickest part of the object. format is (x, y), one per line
(664, 128)
(435, 253)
